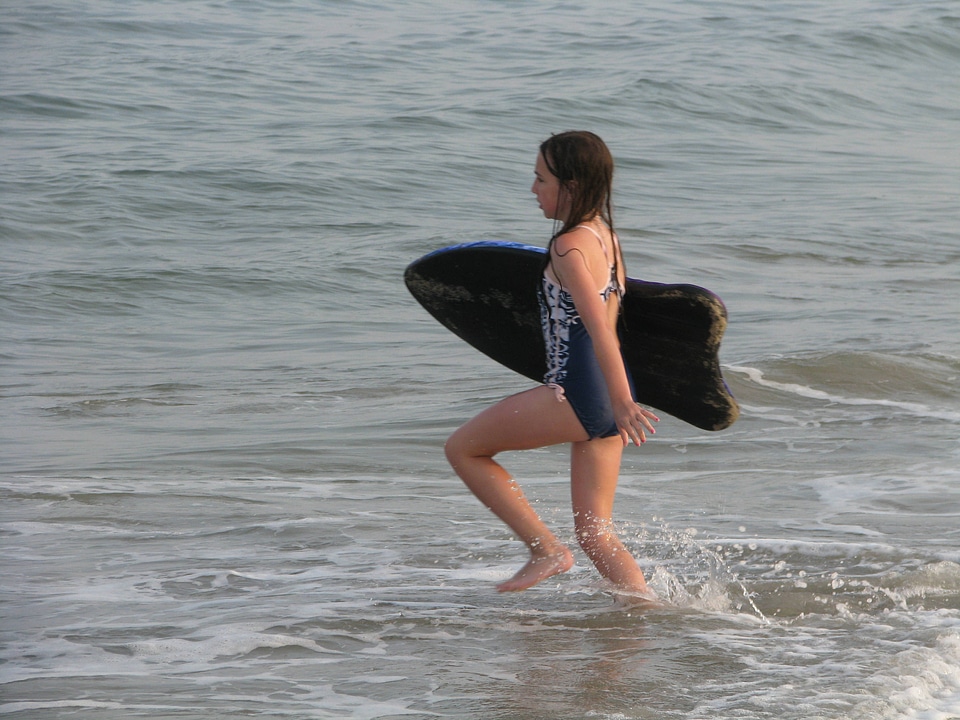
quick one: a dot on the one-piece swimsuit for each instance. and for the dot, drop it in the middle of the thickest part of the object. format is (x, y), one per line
(572, 367)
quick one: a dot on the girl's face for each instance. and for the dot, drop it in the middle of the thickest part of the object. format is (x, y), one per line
(546, 187)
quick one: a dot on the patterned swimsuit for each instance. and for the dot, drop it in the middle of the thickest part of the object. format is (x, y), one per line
(572, 366)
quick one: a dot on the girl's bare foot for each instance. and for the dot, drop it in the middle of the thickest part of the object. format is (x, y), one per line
(644, 598)
(540, 567)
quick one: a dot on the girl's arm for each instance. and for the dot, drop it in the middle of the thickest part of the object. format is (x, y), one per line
(570, 259)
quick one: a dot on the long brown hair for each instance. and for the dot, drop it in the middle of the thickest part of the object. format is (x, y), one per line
(582, 162)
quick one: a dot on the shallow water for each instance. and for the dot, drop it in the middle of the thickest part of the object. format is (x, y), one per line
(224, 490)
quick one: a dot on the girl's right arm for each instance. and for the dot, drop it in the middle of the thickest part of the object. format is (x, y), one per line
(570, 265)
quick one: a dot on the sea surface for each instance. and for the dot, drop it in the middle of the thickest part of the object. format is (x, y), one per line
(223, 487)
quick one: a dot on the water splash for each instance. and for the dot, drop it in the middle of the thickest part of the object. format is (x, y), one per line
(692, 574)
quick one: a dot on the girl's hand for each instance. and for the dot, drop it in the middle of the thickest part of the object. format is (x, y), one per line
(634, 423)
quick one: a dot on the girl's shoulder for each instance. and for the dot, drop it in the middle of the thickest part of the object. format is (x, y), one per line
(582, 238)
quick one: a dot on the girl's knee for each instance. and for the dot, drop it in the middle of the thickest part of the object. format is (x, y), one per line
(458, 447)
(452, 449)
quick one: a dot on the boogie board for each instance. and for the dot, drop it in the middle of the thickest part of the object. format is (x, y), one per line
(486, 294)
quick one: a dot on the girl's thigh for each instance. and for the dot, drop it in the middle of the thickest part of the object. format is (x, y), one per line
(531, 419)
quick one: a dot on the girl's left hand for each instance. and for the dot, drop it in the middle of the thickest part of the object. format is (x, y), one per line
(634, 424)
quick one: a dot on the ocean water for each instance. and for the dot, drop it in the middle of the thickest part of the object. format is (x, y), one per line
(224, 493)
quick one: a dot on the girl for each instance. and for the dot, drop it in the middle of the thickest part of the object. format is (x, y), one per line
(587, 398)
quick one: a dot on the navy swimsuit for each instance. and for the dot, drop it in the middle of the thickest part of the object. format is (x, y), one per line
(572, 367)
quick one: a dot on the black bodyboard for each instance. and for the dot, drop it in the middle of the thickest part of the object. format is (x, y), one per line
(486, 294)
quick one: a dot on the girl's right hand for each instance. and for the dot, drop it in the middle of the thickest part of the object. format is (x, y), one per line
(634, 423)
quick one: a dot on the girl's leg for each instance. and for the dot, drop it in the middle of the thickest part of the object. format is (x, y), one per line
(594, 470)
(531, 419)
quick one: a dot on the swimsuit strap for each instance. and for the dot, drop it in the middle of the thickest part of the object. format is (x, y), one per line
(599, 240)
(613, 285)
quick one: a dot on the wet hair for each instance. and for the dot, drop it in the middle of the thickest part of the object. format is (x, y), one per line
(582, 162)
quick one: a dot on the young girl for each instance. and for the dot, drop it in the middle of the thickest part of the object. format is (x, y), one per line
(587, 398)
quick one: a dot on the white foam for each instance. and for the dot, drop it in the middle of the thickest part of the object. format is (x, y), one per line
(927, 681)
(229, 641)
(27, 705)
(918, 409)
